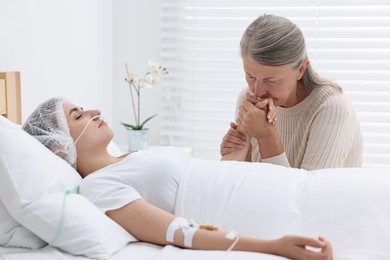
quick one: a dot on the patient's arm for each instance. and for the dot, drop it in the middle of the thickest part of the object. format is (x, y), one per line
(242, 154)
(149, 224)
(235, 145)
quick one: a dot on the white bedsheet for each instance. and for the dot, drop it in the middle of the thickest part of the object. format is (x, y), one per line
(142, 251)
(350, 207)
(138, 251)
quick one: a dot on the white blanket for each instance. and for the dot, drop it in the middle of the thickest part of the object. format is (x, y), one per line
(350, 206)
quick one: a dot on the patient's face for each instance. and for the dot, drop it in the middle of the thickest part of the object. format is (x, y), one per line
(96, 133)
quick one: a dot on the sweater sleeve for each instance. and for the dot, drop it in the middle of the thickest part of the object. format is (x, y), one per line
(332, 135)
(280, 159)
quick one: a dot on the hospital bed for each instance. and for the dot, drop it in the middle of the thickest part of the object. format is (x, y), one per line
(42, 216)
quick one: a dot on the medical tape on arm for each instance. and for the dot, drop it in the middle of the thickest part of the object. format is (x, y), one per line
(188, 227)
(232, 235)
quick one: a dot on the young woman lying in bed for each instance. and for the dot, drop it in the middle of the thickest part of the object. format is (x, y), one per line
(139, 190)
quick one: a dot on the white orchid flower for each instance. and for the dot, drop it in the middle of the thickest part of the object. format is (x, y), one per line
(147, 81)
(135, 83)
(153, 66)
(162, 71)
(131, 77)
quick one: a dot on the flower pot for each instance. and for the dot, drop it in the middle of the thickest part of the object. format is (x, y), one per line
(137, 139)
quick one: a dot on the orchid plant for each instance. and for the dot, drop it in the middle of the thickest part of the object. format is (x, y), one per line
(136, 83)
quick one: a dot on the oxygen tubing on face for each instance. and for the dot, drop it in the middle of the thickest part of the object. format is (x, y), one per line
(85, 127)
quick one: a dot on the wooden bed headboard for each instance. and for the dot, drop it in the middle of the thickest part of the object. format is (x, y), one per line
(10, 100)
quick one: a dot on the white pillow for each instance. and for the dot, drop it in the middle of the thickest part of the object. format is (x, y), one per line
(33, 182)
(12, 234)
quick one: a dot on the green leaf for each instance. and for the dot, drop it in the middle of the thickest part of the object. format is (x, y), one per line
(146, 120)
(128, 126)
(138, 127)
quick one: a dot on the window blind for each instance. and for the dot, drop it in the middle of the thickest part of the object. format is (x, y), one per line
(347, 41)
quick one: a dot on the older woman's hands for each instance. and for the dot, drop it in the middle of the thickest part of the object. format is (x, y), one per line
(256, 120)
(253, 119)
(234, 139)
(266, 104)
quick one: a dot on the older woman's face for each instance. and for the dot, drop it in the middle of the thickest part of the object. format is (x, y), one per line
(277, 82)
(97, 132)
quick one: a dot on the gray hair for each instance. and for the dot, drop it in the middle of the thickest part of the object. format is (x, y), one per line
(275, 41)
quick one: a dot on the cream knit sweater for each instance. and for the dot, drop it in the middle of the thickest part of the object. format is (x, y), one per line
(322, 131)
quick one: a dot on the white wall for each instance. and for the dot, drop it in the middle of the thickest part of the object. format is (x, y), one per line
(61, 48)
(77, 49)
(136, 29)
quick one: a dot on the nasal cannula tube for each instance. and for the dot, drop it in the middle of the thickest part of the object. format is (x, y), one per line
(85, 127)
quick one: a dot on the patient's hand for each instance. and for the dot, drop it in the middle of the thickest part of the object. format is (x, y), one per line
(327, 250)
(304, 248)
(234, 145)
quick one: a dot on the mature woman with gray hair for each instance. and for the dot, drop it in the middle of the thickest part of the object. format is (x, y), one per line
(288, 114)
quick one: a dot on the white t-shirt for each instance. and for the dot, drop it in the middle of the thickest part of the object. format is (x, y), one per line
(152, 175)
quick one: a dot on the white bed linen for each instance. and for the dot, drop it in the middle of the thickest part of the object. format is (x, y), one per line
(136, 250)
(143, 251)
(348, 206)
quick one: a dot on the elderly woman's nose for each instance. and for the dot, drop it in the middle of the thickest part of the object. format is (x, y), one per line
(260, 88)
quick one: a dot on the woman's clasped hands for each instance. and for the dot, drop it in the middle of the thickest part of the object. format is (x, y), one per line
(256, 117)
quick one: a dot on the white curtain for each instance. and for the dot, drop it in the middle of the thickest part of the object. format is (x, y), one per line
(348, 41)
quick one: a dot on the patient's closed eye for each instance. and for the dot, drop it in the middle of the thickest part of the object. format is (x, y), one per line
(77, 112)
